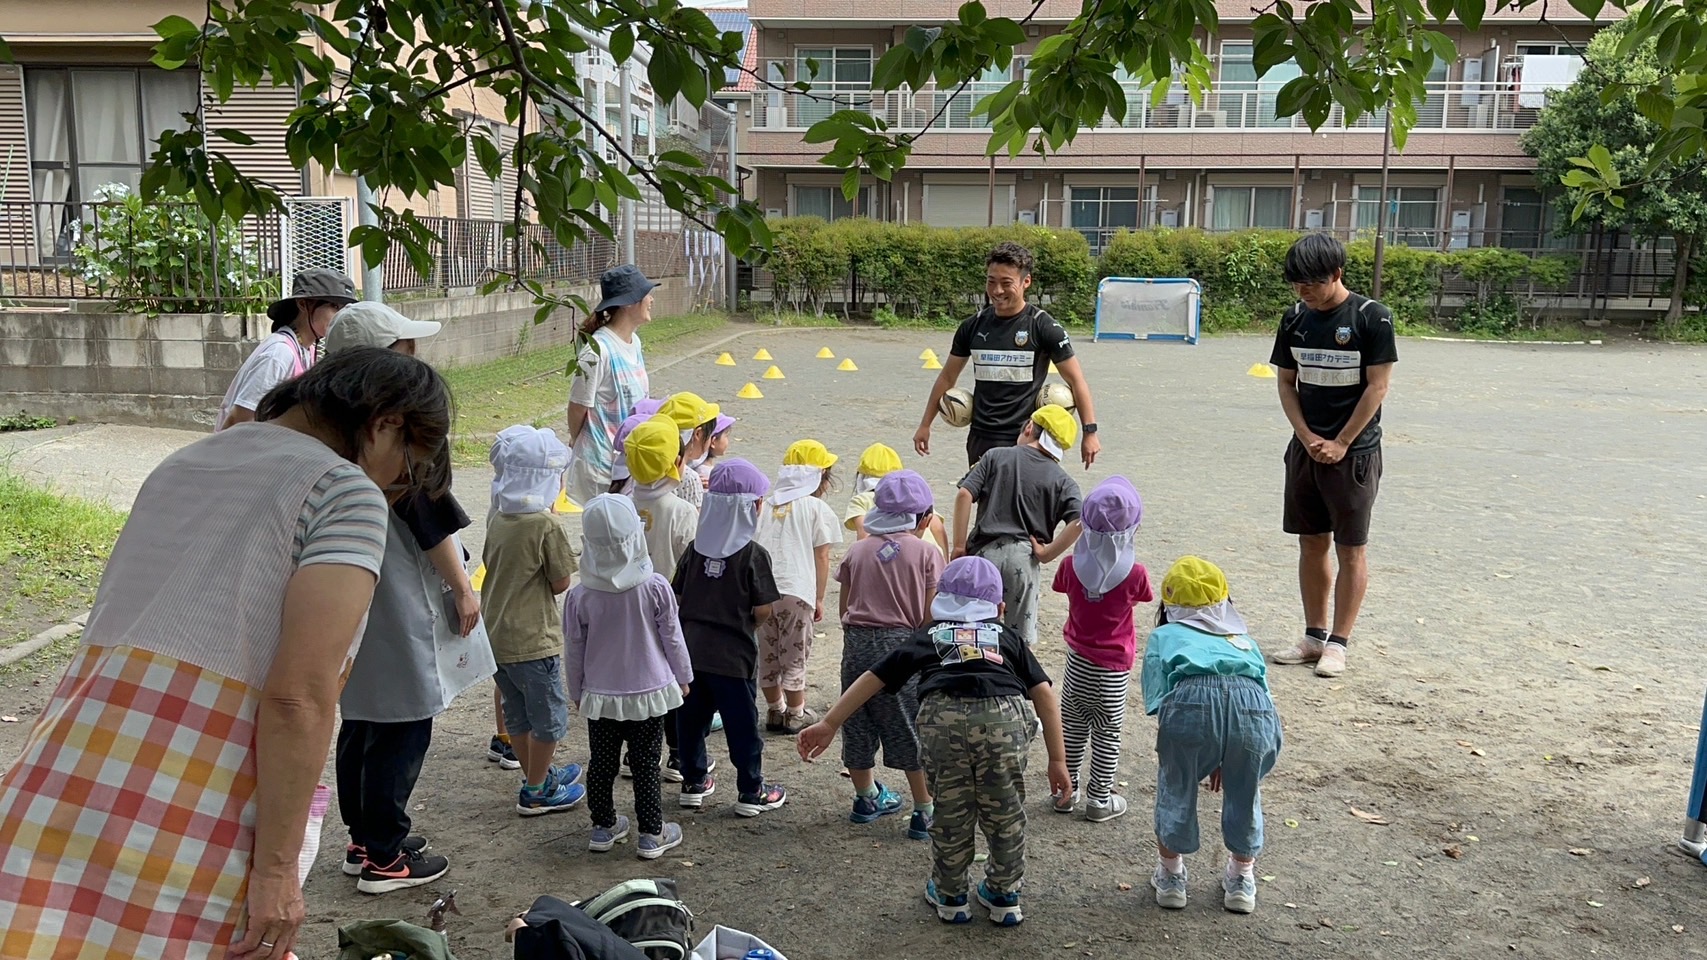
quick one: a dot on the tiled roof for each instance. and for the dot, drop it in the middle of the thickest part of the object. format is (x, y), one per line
(735, 18)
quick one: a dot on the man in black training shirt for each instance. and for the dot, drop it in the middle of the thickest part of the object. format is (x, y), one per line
(1335, 350)
(1010, 344)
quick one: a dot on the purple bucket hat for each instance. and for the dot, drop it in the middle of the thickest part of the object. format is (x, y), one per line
(738, 477)
(724, 422)
(904, 491)
(1113, 507)
(646, 407)
(972, 578)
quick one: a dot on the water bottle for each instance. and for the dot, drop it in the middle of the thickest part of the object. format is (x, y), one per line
(760, 953)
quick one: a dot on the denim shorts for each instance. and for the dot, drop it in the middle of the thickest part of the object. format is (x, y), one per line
(535, 700)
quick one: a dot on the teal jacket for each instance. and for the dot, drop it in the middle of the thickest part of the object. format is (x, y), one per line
(1174, 652)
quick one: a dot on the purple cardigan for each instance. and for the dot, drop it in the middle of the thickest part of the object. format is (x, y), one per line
(637, 647)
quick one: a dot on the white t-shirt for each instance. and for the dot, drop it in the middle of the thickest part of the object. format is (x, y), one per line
(277, 359)
(608, 383)
(790, 533)
(670, 523)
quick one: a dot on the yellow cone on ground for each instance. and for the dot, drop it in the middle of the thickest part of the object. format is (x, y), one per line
(763, 354)
(846, 364)
(774, 373)
(1261, 371)
(929, 354)
(932, 363)
(479, 579)
(750, 392)
(1052, 368)
(825, 354)
(725, 360)
(566, 505)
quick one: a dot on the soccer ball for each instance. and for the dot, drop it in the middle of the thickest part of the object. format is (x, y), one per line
(1057, 393)
(955, 407)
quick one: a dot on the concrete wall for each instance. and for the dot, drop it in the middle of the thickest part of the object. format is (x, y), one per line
(172, 370)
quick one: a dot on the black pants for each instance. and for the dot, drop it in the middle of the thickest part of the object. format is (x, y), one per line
(645, 739)
(977, 446)
(377, 765)
(734, 697)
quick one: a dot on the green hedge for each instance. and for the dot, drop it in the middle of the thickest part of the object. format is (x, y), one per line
(913, 273)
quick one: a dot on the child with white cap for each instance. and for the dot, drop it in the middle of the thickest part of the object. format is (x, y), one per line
(888, 580)
(975, 675)
(627, 675)
(724, 588)
(1205, 682)
(1022, 495)
(798, 529)
(1103, 582)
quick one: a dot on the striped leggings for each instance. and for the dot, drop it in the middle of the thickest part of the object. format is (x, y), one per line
(1093, 707)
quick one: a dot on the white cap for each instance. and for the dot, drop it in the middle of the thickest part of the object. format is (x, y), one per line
(366, 323)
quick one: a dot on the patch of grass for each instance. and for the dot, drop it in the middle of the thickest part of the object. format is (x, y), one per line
(23, 420)
(52, 551)
(802, 320)
(531, 387)
(1556, 331)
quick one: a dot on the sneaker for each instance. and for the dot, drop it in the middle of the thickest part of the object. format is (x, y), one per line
(1306, 650)
(653, 845)
(1239, 894)
(1170, 888)
(716, 722)
(694, 794)
(604, 838)
(566, 776)
(1103, 812)
(948, 909)
(500, 753)
(919, 827)
(1066, 802)
(408, 870)
(769, 797)
(1004, 909)
(793, 723)
(868, 809)
(776, 721)
(355, 856)
(1332, 662)
(554, 797)
(672, 770)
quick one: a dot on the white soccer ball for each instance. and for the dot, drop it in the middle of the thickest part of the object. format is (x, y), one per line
(1059, 394)
(955, 407)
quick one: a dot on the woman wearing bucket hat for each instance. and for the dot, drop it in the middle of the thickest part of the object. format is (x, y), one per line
(299, 322)
(610, 377)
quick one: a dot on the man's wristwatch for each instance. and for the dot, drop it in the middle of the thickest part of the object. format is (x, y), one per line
(1089, 428)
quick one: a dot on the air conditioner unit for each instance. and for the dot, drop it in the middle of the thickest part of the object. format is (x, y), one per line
(1211, 118)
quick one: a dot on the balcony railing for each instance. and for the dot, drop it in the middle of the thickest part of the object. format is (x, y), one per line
(1244, 106)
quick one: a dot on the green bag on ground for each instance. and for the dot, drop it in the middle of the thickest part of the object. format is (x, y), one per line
(370, 938)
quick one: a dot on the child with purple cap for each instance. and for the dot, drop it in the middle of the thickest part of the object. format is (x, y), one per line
(724, 586)
(975, 675)
(888, 580)
(1103, 582)
(718, 447)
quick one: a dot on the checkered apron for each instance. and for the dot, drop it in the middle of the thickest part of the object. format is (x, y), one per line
(126, 827)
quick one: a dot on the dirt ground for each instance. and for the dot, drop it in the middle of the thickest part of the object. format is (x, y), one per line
(1522, 703)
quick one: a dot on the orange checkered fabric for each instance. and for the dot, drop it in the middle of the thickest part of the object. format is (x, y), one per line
(126, 827)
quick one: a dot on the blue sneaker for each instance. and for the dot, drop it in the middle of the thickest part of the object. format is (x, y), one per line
(604, 838)
(1004, 909)
(868, 809)
(948, 909)
(553, 797)
(919, 827)
(567, 775)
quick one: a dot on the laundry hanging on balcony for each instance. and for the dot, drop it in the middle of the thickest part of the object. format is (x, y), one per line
(1539, 74)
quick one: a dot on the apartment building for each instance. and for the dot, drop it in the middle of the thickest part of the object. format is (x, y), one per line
(1228, 163)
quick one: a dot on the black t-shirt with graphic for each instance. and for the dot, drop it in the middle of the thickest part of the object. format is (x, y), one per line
(1332, 352)
(969, 660)
(1010, 362)
(717, 598)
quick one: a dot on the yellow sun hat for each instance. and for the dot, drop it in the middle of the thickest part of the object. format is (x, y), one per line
(879, 461)
(1059, 428)
(688, 411)
(652, 449)
(809, 453)
(1194, 582)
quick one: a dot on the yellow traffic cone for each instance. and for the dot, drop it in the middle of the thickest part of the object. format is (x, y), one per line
(846, 364)
(479, 579)
(750, 392)
(929, 354)
(825, 354)
(1261, 371)
(774, 374)
(763, 354)
(725, 360)
(566, 505)
(932, 363)
(1052, 368)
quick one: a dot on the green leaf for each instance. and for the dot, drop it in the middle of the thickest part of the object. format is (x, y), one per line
(487, 155)
(919, 39)
(176, 26)
(972, 13)
(232, 135)
(1589, 8)
(1601, 158)
(681, 158)
(1440, 9)
(850, 184)
(1578, 179)
(1470, 13)
(622, 42)
(1005, 32)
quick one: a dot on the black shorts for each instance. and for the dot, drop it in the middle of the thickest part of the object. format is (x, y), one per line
(977, 446)
(1336, 498)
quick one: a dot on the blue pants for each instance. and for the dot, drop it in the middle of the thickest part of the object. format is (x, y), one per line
(734, 697)
(1208, 724)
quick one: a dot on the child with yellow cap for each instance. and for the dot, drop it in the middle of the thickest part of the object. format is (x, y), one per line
(1205, 682)
(879, 461)
(696, 419)
(1022, 495)
(798, 529)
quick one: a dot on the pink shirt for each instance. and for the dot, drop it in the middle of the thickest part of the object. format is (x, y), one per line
(888, 580)
(1102, 631)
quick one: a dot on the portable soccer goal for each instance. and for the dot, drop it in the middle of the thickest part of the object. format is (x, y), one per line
(1167, 309)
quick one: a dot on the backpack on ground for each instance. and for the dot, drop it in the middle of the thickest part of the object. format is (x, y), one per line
(556, 930)
(648, 914)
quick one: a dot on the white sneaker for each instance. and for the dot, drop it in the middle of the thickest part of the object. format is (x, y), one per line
(1103, 812)
(1239, 893)
(1306, 650)
(1170, 888)
(1065, 802)
(1332, 662)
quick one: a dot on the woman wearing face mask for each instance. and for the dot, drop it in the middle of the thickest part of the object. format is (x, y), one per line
(299, 322)
(160, 805)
